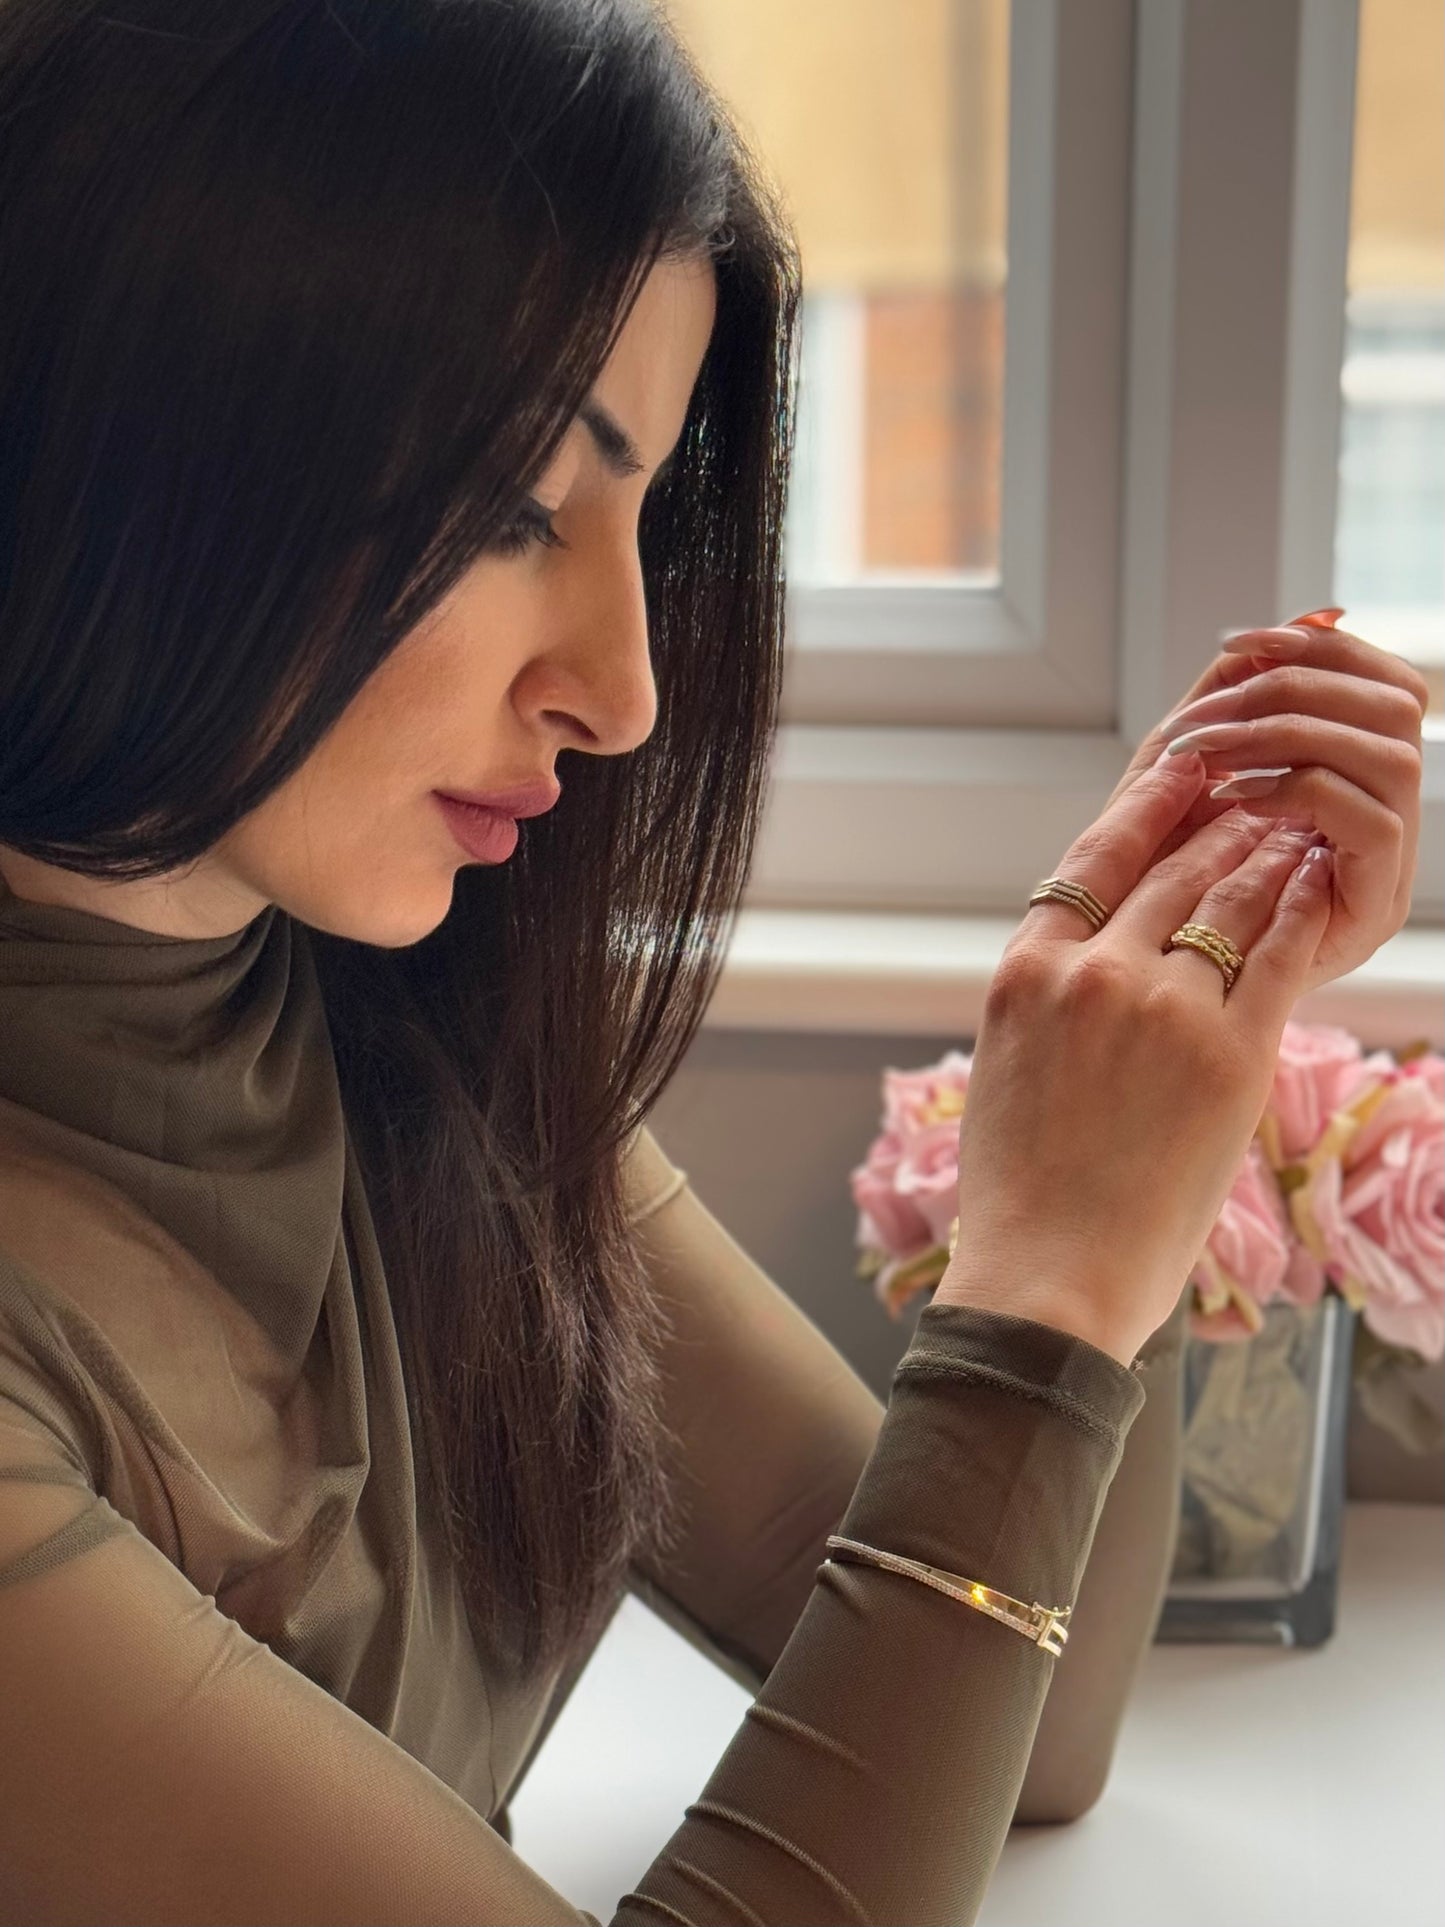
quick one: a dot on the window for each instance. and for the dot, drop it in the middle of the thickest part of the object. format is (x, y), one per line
(953, 533)
(1079, 398)
(887, 128)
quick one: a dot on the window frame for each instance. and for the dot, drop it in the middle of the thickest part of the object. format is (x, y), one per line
(947, 771)
(1030, 647)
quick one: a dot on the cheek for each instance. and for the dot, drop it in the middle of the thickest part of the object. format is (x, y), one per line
(421, 720)
(374, 765)
(402, 729)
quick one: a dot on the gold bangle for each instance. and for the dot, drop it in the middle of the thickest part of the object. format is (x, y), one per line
(1041, 1624)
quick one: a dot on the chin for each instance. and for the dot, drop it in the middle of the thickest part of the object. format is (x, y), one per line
(388, 920)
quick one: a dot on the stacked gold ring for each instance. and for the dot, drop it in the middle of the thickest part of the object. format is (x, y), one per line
(1202, 937)
(1060, 890)
(1213, 944)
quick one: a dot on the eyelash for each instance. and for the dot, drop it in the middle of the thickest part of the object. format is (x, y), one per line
(530, 524)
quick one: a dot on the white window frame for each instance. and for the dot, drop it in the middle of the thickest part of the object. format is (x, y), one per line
(1184, 411)
(1031, 645)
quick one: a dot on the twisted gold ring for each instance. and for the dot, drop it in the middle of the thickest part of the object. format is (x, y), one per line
(1210, 943)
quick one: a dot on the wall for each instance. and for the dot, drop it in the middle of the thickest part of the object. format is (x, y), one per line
(768, 1125)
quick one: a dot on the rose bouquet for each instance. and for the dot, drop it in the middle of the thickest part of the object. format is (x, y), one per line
(1342, 1189)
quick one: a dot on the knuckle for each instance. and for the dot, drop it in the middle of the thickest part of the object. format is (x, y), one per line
(1164, 1003)
(1213, 853)
(1238, 890)
(1098, 841)
(1416, 687)
(1406, 705)
(1094, 976)
(1020, 976)
(1184, 866)
(1407, 758)
(1288, 687)
(1316, 780)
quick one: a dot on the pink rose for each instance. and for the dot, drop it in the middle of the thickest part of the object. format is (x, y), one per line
(888, 1221)
(1380, 1211)
(1430, 1066)
(1320, 1067)
(1251, 1257)
(912, 1099)
(911, 1172)
(927, 1175)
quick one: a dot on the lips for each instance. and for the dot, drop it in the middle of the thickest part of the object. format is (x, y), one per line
(527, 799)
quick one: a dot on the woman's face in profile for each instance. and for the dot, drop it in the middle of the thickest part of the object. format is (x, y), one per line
(532, 652)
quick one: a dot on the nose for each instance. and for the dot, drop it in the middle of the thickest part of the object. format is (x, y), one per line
(601, 688)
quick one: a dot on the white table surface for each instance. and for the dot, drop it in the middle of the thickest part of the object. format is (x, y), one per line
(1252, 1786)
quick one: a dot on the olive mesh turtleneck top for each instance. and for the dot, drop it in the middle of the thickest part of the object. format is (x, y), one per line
(236, 1678)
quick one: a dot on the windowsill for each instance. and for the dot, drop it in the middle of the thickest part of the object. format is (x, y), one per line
(825, 970)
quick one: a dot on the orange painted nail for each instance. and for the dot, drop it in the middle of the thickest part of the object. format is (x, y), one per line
(1321, 618)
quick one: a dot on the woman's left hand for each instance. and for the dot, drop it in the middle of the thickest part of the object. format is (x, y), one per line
(1342, 718)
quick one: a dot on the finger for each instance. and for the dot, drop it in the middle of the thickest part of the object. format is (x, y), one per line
(1277, 964)
(1228, 669)
(1221, 676)
(1327, 648)
(1223, 877)
(1225, 673)
(1241, 907)
(1303, 689)
(1109, 858)
(1310, 637)
(1370, 838)
(1384, 767)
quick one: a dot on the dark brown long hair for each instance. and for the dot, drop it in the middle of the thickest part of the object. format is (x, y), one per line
(297, 298)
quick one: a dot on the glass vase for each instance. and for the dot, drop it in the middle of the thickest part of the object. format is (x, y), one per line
(1263, 1481)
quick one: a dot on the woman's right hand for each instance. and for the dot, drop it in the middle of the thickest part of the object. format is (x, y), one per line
(1114, 1087)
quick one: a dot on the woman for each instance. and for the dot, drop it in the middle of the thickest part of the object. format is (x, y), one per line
(393, 398)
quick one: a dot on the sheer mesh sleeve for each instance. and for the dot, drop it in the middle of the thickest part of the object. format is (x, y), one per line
(157, 1764)
(42, 1443)
(776, 1428)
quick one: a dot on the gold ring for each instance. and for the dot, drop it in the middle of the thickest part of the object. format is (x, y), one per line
(1210, 943)
(1060, 890)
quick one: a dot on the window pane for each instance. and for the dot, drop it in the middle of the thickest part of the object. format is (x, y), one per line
(1390, 534)
(885, 124)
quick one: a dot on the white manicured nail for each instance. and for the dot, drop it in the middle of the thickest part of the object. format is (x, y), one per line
(1247, 786)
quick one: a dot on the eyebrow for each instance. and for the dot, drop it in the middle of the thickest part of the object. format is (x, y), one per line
(614, 444)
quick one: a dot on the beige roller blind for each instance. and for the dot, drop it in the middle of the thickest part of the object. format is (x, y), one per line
(883, 121)
(1397, 227)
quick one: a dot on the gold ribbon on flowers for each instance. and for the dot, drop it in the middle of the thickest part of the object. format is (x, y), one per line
(1223, 1288)
(1219, 1287)
(1296, 1180)
(917, 1274)
(949, 1102)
